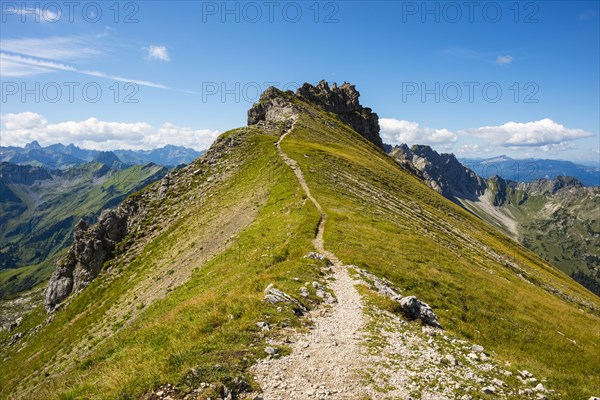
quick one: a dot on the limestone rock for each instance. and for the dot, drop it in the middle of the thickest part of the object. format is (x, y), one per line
(489, 390)
(273, 106)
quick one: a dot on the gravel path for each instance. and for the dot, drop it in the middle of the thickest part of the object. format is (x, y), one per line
(324, 362)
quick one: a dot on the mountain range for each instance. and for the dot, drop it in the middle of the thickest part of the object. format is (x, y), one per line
(59, 156)
(296, 259)
(531, 169)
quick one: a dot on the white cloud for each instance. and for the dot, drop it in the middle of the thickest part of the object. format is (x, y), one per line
(63, 48)
(24, 120)
(24, 66)
(159, 53)
(537, 133)
(20, 129)
(395, 131)
(503, 60)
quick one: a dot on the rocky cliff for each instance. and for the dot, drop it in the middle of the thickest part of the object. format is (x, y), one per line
(443, 172)
(91, 248)
(340, 100)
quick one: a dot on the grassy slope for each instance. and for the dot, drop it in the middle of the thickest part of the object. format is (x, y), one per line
(475, 295)
(402, 234)
(210, 320)
(51, 222)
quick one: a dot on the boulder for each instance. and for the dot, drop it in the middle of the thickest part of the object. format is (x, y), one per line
(414, 308)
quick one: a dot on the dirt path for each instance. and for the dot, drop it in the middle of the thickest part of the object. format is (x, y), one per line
(324, 362)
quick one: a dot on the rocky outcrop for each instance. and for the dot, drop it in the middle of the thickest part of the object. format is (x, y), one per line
(275, 106)
(91, 248)
(443, 172)
(343, 101)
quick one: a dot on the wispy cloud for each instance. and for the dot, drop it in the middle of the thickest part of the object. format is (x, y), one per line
(22, 128)
(18, 66)
(57, 48)
(159, 53)
(25, 57)
(470, 54)
(503, 60)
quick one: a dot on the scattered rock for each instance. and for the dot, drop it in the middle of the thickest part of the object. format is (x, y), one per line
(304, 291)
(240, 384)
(525, 374)
(15, 338)
(540, 388)
(450, 359)
(498, 382)
(329, 299)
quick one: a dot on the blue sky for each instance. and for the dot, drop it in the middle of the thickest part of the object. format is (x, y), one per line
(515, 78)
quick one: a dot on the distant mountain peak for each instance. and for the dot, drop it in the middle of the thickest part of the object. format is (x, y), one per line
(35, 145)
(442, 172)
(107, 158)
(275, 105)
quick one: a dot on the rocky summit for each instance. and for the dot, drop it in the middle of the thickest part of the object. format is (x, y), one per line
(342, 101)
(296, 260)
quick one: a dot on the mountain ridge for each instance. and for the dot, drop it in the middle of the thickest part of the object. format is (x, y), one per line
(530, 169)
(183, 294)
(59, 156)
